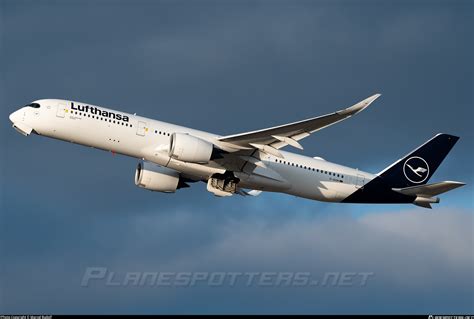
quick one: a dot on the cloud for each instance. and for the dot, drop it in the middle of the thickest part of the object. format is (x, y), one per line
(411, 252)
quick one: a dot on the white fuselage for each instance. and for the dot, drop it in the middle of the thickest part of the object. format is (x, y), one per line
(145, 138)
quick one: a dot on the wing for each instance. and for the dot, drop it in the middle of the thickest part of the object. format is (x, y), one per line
(428, 190)
(271, 139)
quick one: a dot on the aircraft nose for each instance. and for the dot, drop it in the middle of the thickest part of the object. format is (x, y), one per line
(15, 116)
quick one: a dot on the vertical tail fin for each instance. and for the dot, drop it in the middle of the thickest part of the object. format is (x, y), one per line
(417, 167)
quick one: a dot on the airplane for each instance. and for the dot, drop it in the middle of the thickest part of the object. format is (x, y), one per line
(172, 157)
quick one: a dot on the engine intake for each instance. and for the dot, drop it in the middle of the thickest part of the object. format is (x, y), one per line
(157, 178)
(188, 148)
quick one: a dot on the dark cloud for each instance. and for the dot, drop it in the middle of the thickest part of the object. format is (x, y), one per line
(409, 255)
(230, 67)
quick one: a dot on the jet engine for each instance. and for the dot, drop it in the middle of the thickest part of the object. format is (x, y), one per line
(157, 178)
(188, 148)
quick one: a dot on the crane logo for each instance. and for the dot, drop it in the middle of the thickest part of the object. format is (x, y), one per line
(416, 169)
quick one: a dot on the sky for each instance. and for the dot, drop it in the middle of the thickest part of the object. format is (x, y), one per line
(228, 67)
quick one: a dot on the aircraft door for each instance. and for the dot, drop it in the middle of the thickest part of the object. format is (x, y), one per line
(61, 109)
(360, 181)
(141, 129)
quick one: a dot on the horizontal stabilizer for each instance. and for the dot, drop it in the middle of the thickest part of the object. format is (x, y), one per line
(425, 201)
(429, 190)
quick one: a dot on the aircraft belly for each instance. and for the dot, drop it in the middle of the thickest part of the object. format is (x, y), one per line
(323, 190)
(335, 191)
(260, 182)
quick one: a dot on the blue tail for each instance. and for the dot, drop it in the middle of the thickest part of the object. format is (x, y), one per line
(414, 169)
(417, 167)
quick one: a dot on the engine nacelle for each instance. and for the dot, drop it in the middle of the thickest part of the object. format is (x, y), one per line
(156, 178)
(188, 148)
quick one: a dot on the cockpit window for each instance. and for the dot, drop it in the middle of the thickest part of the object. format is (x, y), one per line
(35, 105)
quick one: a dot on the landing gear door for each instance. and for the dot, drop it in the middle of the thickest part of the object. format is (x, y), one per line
(141, 129)
(360, 181)
(61, 109)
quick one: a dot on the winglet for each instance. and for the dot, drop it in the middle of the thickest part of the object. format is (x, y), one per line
(356, 108)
